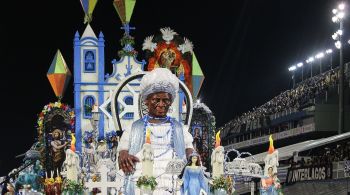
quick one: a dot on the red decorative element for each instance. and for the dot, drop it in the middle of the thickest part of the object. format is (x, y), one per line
(155, 61)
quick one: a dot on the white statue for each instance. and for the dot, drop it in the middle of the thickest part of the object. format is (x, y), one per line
(102, 149)
(71, 165)
(217, 161)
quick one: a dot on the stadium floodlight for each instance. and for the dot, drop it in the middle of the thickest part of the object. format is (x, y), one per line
(337, 44)
(341, 15)
(319, 55)
(340, 32)
(335, 36)
(310, 59)
(292, 68)
(349, 41)
(334, 11)
(328, 51)
(341, 6)
(300, 64)
(334, 19)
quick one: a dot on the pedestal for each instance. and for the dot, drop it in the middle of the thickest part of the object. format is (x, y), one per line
(220, 192)
(146, 190)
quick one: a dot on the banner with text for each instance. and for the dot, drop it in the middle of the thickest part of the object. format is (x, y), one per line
(309, 173)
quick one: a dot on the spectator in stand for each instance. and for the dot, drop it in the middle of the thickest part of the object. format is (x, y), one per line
(290, 100)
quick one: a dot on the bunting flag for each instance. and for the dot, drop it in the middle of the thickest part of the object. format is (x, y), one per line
(197, 76)
(59, 75)
(124, 9)
(88, 7)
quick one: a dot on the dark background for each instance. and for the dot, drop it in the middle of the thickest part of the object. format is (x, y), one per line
(244, 47)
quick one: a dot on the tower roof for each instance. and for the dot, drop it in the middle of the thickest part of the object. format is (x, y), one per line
(88, 32)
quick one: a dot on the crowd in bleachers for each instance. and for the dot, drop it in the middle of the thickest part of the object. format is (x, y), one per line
(293, 99)
(322, 156)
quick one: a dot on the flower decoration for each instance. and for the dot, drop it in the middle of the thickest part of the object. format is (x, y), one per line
(222, 183)
(168, 34)
(111, 137)
(127, 42)
(148, 44)
(123, 53)
(147, 181)
(88, 138)
(72, 187)
(187, 46)
(51, 106)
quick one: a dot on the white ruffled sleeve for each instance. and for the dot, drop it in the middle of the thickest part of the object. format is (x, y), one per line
(187, 138)
(124, 142)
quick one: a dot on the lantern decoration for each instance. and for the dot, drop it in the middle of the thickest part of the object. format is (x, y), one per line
(59, 75)
(88, 7)
(124, 9)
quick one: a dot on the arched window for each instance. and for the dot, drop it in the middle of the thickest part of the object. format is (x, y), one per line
(89, 101)
(129, 100)
(89, 60)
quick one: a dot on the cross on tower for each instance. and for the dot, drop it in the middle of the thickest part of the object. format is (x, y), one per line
(127, 28)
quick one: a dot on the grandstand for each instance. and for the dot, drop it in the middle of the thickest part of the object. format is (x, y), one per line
(308, 111)
(304, 125)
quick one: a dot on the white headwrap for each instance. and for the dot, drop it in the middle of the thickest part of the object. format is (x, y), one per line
(159, 80)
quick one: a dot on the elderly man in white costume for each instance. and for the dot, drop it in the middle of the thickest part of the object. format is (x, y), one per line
(169, 140)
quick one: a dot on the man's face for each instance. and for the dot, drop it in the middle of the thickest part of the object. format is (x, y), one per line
(158, 104)
(56, 135)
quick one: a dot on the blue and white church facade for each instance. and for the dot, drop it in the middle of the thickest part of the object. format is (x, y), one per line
(93, 87)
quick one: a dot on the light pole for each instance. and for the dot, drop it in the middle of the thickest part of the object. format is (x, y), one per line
(309, 61)
(319, 56)
(301, 65)
(337, 36)
(292, 69)
(329, 52)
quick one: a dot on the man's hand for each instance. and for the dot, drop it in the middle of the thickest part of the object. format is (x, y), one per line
(127, 162)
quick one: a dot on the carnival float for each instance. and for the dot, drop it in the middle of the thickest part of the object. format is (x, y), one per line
(79, 149)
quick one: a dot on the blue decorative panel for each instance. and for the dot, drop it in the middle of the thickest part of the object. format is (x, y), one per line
(89, 60)
(129, 100)
(89, 101)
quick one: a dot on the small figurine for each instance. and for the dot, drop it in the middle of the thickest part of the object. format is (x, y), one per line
(193, 177)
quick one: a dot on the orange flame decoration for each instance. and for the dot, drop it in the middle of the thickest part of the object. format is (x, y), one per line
(217, 139)
(72, 143)
(148, 136)
(271, 148)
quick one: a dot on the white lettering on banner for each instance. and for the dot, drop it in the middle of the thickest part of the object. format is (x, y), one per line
(308, 173)
(276, 136)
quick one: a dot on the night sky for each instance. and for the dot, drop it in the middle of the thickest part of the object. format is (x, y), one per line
(243, 46)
